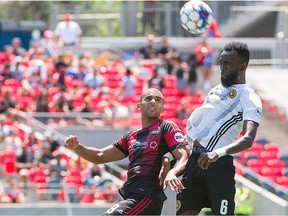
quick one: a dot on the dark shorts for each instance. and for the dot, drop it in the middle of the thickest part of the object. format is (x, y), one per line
(213, 188)
(136, 204)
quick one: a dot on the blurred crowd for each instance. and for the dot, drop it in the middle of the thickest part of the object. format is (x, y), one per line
(50, 78)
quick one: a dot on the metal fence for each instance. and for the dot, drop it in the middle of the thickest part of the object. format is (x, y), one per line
(139, 18)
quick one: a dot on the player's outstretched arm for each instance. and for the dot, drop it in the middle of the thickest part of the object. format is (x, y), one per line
(181, 154)
(94, 155)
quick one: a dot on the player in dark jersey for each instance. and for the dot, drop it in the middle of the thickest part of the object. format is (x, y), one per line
(143, 191)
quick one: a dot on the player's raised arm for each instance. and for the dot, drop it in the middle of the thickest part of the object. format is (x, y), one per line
(94, 155)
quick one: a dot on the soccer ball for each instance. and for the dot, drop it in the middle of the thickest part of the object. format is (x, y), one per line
(196, 16)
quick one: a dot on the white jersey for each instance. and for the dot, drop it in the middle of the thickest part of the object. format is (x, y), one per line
(68, 32)
(218, 122)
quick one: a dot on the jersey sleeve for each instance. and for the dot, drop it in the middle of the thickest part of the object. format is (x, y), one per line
(122, 144)
(253, 108)
(173, 135)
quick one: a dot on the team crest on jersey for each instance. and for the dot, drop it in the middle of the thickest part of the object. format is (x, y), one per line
(154, 133)
(232, 93)
(178, 205)
(179, 137)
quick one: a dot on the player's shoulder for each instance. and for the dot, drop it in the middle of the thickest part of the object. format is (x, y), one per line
(168, 125)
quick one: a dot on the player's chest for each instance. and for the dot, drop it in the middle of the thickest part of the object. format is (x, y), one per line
(146, 140)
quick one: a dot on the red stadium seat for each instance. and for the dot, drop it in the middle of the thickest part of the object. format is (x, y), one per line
(266, 155)
(255, 165)
(272, 148)
(270, 173)
(283, 181)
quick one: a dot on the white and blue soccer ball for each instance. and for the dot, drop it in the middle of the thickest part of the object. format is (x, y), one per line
(196, 16)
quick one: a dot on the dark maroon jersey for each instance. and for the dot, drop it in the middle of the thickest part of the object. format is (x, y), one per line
(145, 148)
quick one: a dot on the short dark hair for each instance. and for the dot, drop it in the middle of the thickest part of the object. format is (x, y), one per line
(60, 64)
(241, 48)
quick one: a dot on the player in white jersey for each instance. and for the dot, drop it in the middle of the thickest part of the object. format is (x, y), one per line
(213, 133)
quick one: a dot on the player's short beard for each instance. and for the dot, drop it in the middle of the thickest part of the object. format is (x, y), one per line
(229, 80)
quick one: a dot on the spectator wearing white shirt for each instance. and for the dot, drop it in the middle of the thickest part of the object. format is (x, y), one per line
(68, 32)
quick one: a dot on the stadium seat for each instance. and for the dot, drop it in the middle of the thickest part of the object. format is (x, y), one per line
(250, 155)
(272, 148)
(270, 173)
(266, 155)
(283, 181)
(238, 158)
(276, 164)
(262, 140)
(255, 165)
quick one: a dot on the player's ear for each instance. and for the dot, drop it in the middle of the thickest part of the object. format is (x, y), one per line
(138, 106)
(243, 66)
(163, 109)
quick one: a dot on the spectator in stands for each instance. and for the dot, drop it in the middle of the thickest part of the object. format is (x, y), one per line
(127, 86)
(157, 81)
(87, 106)
(60, 73)
(4, 129)
(31, 140)
(35, 38)
(49, 82)
(6, 73)
(68, 32)
(88, 58)
(14, 141)
(192, 74)
(57, 166)
(166, 52)
(17, 69)
(51, 140)
(90, 190)
(49, 44)
(15, 193)
(4, 198)
(26, 157)
(145, 177)
(37, 70)
(2, 144)
(148, 51)
(45, 157)
(213, 30)
(121, 116)
(204, 57)
(16, 44)
(7, 101)
(105, 112)
(62, 101)
(7, 55)
(97, 171)
(82, 70)
(179, 70)
(42, 101)
(93, 79)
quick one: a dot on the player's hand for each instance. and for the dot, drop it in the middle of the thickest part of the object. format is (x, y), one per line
(164, 170)
(206, 159)
(173, 182)
(71, 142)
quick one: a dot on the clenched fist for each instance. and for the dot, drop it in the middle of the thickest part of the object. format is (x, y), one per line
(71, 142)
